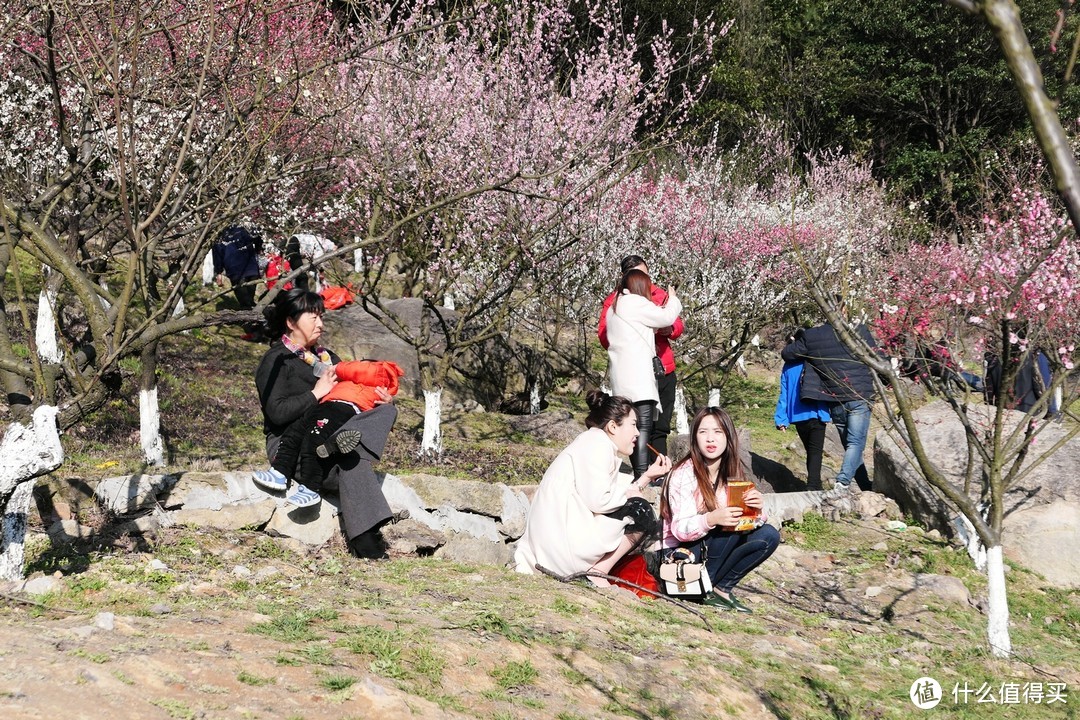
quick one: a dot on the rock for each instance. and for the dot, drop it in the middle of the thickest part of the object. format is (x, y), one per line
(514, 513)
(265, 573)
(410, 537)
(816, 562)
(464, 495)
(105, 621)
(478, 526)
(945, 587)
(482, 373)
(1035, 537)
(872, 504)
(792, 505)
(128, 494)
(557, 426)
(65, 532)
(311, 525)
(157, 566)
(42, 585)
(465, 548)
(873, 591)
(1041, 511)
(242, 571)
(161, 608)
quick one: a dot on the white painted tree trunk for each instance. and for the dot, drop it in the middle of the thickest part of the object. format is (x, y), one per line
(714, 397)
(975, 548)
(358, 260)
(12, 542)
(25, 453)
(997, 622)
(534, 400)
(45, 332)
(431, 444)
(448, 301)
(682, 425)
(208, 268)
(150, 427)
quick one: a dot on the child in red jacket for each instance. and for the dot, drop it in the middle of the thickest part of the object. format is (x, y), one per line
(315, 436)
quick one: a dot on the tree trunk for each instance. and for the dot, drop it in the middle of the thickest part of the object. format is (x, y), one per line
(12, 541)
(997, 623)
(682, 425)
(358, 260)
(431, 444)
(149, 415)
(534, 398)
(714, 397)
(25, 453)
(208, 268)
(45, 331)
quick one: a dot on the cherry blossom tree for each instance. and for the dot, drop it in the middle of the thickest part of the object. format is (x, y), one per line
(723, 225)
(1009, 291)
(524, 99)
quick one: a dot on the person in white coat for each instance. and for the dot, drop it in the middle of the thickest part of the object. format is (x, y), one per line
(568, 530)
(632, 322)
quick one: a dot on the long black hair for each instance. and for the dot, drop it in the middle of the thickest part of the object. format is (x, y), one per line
(730, 466)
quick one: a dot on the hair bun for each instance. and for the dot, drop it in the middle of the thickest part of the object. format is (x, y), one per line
(595, 399)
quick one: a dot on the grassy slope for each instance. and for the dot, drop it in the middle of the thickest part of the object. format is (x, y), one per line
(482, 641)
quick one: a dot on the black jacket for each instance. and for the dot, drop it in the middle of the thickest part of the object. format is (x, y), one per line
(285, 383)
(836, 375)
(236, 253)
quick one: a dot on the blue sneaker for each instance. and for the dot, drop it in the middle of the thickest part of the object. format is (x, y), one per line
(270, 480)
(303, 496)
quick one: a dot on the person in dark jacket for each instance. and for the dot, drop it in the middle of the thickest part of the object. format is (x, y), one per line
(236, 256)
(833, 375)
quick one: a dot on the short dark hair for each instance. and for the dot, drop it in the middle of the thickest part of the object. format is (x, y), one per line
(630, 262)
(604, 407)
(290, 305)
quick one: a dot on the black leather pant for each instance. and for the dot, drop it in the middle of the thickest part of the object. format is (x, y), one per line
(646, 418)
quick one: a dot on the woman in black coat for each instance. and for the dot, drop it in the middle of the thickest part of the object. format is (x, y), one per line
(294, 374)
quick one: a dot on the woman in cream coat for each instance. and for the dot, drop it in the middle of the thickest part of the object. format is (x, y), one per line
(631, 323)
(568, 531)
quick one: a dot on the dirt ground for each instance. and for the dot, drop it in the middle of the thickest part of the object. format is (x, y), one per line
(226, 626)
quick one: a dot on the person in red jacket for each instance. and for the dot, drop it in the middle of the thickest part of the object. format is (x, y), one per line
(665, 385)
(316, 435)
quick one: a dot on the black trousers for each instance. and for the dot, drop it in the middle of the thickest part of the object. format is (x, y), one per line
(296, 456)
(662, 424)
(812, 434)
(352, 477)
(646, 415)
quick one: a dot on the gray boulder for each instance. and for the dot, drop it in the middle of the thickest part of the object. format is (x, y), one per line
(1041, 510)
(481, 373)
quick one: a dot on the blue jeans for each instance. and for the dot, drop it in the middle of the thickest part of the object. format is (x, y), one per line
(732, 555)
(852, 419)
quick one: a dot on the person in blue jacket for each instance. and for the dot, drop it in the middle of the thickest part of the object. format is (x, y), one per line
(808, 416)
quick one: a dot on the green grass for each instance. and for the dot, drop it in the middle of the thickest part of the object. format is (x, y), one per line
(515, 674)
(254, 680)
(337, 682)
(291, 628)
(816, 532)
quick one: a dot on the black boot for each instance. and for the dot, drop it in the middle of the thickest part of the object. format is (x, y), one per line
(369, 545)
